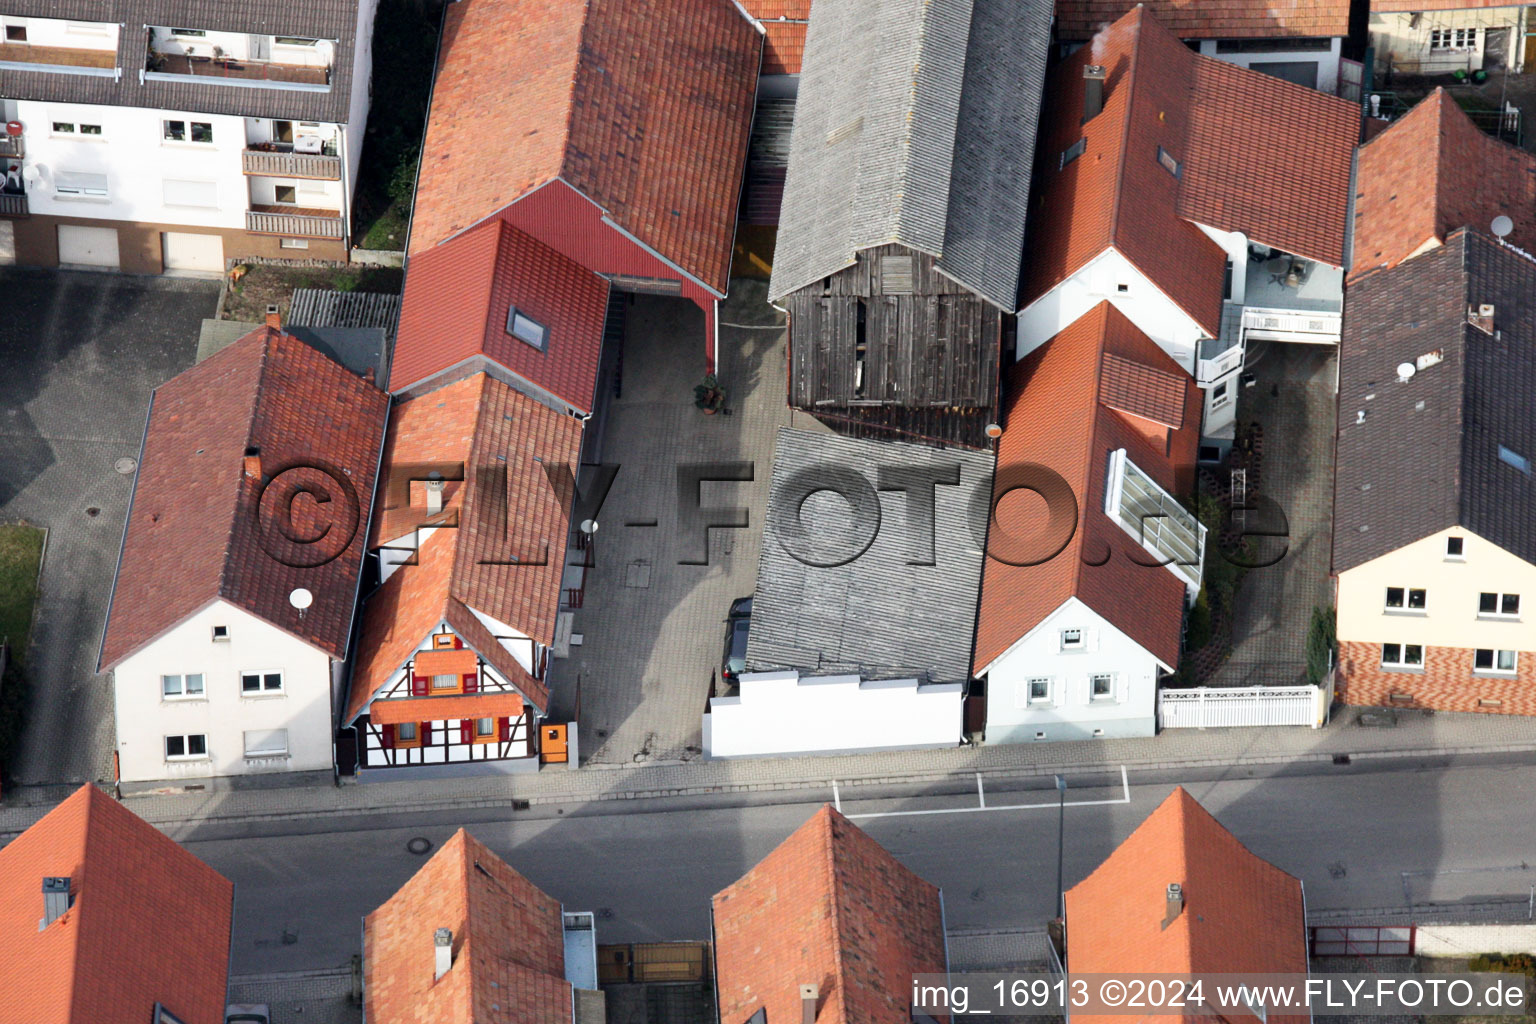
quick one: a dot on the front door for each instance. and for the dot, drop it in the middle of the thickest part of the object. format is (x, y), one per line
(1495, 49)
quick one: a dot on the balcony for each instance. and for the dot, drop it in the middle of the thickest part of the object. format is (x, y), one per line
(288, 164)
(1288, 298)
(65, 59)
(169, 67)
(14, 205)
(294, 222)
(12, 147)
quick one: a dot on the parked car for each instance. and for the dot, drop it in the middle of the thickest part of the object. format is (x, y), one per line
(737, 622)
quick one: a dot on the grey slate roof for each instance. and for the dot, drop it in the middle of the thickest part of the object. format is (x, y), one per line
(1408, 471)
(314, 19)
(876, 615)
(915, 124)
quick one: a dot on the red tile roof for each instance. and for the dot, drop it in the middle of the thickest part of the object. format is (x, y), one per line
(783, 47)
(1229, 128)
(200, 529)
(503, 558)
(457, 296)
(643, 108)
(1078, 20)
(508, 945)
(1052, 396)
(149, 923)
(1138, 389)
(831, 907)
(1433, 171)
(1241, 914)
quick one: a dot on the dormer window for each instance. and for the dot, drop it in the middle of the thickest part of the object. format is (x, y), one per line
(1072, 152)
(1171, 165)
(525, 328)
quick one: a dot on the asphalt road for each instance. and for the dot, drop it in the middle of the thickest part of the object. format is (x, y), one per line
(1358, 836)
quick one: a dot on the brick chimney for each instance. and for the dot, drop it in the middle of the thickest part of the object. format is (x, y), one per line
(274, 320)
(253, 463)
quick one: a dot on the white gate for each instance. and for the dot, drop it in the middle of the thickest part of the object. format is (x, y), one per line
(1209, 707)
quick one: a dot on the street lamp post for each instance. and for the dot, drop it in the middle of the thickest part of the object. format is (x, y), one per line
(1061, 824)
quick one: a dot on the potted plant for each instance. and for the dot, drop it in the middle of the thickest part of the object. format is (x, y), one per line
(709, 396)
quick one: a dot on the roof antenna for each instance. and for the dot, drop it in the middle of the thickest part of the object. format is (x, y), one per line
(1502, 226)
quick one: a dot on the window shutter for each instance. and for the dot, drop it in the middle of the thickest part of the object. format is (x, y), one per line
(471, 682)
(1091, 639)
(418, 685)
(466, 730)
(504, 729)
(387, 737)
(1122, 687)
(423, 732)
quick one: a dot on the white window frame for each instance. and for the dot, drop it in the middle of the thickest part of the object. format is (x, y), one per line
(1102, 698)
(263, 752)
(1405, 607)
(1498, 603)
(1221, 394)
(186, 744)
(1155, 519)
(182, 692)
(1074, 640)
(1402, 655)
(218, 637)
(293, 243)
(1025, 697)
(263, 690)
(1496, 656)
(1460, 556)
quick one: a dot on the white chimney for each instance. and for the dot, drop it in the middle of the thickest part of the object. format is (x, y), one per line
(808, 996)
(442, 947)
(1173, 904)
(434, 497)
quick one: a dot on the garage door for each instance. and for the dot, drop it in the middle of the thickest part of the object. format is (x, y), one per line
(88, 247)
(184, 251)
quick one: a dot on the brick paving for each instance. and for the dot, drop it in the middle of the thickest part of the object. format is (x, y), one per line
(82, 352)
(300, 997)
(1293, 398)
(654, 629)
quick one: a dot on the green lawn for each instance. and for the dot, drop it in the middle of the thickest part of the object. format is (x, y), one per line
(21, 550)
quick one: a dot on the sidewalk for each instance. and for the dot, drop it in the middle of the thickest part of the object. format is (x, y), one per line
(1416, 734)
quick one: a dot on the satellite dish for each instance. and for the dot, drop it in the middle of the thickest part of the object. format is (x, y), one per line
(994, 430)
(1405, 371)
(1502, 226)
(301, 598)
(589, 526)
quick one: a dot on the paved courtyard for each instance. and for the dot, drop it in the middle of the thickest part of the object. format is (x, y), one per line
(1293, 398)
(653, 628)
(79, 355)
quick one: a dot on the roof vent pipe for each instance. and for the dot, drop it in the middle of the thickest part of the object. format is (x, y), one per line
(442, 949)
(1093, 91)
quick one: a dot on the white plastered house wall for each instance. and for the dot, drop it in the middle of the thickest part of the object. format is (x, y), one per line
(1451, 586)
(1408, 41)
(223, 714)
(1069, 711)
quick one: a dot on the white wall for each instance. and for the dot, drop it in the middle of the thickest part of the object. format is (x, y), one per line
(145, 718)
(137, 160)
(1395, 36)
(239, 46)
(1071, 713)
(1451, 588)
(399, 674)
(1468, 940)
(362, 87)
(1157, 316)
(779, 713)
(1327, 58)
(75, 35)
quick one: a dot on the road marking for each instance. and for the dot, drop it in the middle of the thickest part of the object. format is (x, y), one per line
(1124, 798)
(981, 794)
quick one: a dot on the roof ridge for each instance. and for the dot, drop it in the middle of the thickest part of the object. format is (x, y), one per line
(87, 834)
(834, 913)
(570, 107)
(267, 337)
(1122, 159)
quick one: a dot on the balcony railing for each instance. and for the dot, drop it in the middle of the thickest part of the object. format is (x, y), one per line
(269, 220)
(13, 205)
(169, 67)
(293, 165)
(12, 147)
(75, 60)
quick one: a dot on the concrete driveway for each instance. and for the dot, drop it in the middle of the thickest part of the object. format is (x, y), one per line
(79, 355)
(654, 628)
